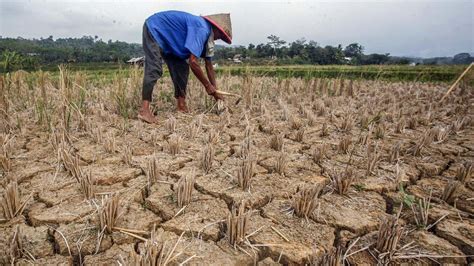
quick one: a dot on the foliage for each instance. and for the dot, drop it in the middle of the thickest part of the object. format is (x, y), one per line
(64, 50)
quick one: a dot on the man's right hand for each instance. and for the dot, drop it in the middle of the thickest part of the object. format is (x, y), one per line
(211, 90)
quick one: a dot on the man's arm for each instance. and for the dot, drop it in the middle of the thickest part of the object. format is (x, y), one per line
(209, 85)
(211, 74)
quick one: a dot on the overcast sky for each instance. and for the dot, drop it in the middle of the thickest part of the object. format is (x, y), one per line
(423, 28)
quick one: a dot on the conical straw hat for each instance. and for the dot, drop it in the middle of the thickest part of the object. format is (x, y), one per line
(222, 23)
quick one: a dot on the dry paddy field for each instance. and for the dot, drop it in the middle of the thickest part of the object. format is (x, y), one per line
(317, 171)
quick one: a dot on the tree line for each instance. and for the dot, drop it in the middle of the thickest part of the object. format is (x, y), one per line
(21, 53)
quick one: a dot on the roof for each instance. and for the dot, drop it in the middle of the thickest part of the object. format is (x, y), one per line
(136, 59)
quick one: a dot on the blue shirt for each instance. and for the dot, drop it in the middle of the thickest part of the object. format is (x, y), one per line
(179, 33)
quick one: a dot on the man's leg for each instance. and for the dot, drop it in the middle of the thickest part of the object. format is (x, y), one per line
(153, 71)
(179, 72)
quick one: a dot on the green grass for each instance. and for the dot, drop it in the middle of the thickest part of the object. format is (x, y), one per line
(446, 73)
(390, 73)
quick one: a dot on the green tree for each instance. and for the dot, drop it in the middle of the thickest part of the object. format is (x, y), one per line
(275, 42)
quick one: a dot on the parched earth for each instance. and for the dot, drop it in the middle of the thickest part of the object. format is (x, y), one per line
(404, 123)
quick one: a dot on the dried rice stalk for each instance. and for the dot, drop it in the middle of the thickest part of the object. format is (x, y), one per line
(152, 173)
(213, 136)
(320, 109)
(320, 153)
(424, 142)
(237, 223)
(245, 147)
(364, 121)
(174, 144)
(311, 119)
(127, 155)
(450, 191)
(459, 124)
(334, 257)
(390, 232)
(155, 252)
(324, 130)
(286, 113)
(108, 214)
(344, 145)
(16, 244)
(245, 172)
(400, 127)
(341, 181)
(170, 124)
(380, 131)
(395, 152)
(295, 123)
(464, 172)
(442, 134)
(87, 186)
(346, 123)
(5, 162)
(184, 190)
(109, 143)
(421, 212)
(207, 157)
(373, 157)
(305, 200)
(300, 134)
(96, 134)
(412, 122)
(276, 142)
(281, 163)
(71, 164)
(10, 202)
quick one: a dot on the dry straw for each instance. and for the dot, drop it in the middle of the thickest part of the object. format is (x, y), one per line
(237, 223)
(109, 143)
(11, 203)
(108, 214)
(127, 155)
(334, 257)
(276, 142)
(281, 163)
(464, 172)
(245, 172)
(155, 252)
(71, 164)
(305, 200)
(373, 157)
(152, 173)
(213, 136)
(389, 235)
(394, 154)
(320, 153)
(421, 212)
(174, 144)
(341, 181)
(324, 130)
(207, 157)
(170, 124)
(300, 134)
(87, 186)
(184, 190)
(346, 124)
(344, 145)
(450, 191)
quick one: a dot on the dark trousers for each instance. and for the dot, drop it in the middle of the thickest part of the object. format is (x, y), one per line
(178, 68)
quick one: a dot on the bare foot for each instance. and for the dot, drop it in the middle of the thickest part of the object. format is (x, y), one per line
(147, 116)
(182, 109)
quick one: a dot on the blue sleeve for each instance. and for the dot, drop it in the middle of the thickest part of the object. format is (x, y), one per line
(196, 40)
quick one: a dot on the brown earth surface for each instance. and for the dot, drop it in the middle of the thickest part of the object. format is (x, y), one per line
(59, 225)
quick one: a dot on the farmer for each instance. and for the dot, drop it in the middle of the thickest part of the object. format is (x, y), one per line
(180, 38)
